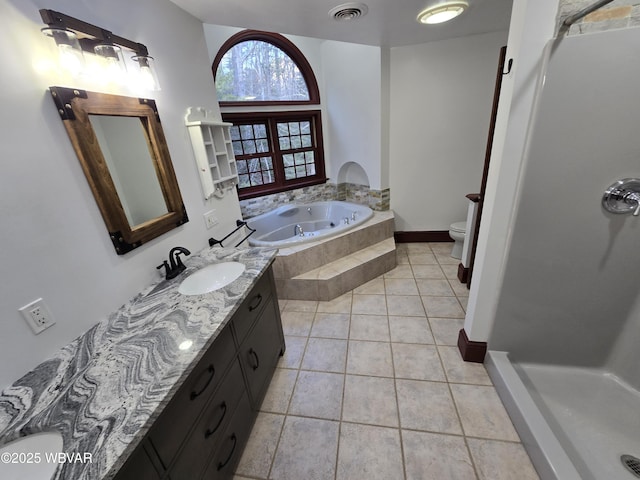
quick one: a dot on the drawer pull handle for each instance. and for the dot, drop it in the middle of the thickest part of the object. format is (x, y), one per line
(212, 371)
(253, 353)
(211, 431)
(221, 465)
(259, 301)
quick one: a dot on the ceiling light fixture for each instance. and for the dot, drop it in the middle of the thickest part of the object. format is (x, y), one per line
(442, 12)
(74, 37)
(348, 11)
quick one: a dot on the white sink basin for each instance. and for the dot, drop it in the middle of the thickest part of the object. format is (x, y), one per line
(31, 458)
(211, 277)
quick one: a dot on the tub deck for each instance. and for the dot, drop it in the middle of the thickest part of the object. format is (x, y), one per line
(325, 269)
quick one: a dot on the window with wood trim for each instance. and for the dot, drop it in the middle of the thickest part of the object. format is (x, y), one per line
(275, 150)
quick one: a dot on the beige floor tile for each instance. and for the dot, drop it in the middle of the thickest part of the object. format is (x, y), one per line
(370, 400)
(318, 394)
(501, 460)
(447, 307)
(401, 271)
(369, 327)
(417, 362)
(261, 447)
(402, 258)
(297, 323)
(434, 287)
(293, 353)
(278, 394)
(369, 358)
(459, 289)
(331, 325)
(422, 259)
(372, 287)
(307, 450)
(341, 304)
(445, 330)
(482, 413)
(410, 329)
(450, 271)
(433, 456)
(368, 452)
(405, 305)
(427, 406)
(427, 271)
(369, 304)
(282, 303)
(419, 247)
(324, 354)
(459, 371)
(400, 286)
(463, 302)
(445, 258)
(301, 306)
(441, 247)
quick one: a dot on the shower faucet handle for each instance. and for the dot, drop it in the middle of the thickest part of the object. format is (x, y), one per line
(623, 196)
(633, 199)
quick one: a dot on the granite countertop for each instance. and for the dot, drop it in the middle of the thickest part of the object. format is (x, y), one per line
(105, 389)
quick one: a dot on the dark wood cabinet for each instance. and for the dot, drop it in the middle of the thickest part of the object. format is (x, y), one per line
(139, 466)
(257, 354)
(202, 432)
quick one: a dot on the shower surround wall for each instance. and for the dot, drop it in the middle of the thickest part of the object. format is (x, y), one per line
(568, 313)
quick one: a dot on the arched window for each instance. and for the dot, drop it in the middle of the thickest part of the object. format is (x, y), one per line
(275, 150)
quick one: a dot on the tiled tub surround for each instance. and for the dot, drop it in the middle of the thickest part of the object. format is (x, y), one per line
(378, 200)
(325, 269)
(104, 390)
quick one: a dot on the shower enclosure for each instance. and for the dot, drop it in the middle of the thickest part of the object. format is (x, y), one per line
(565, 346)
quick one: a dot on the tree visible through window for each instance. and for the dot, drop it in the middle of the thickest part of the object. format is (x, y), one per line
(255, 70)
(274, 150)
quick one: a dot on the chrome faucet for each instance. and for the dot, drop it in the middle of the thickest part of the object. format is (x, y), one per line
(353, 215)
(175, 266)
(297, 228)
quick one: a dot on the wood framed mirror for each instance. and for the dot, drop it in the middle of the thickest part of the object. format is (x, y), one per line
(124, 155)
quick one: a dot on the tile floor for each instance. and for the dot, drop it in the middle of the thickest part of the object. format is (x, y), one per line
(372, 387)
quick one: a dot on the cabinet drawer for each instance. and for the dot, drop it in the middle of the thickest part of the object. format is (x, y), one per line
(232, 443)
(177, 418)
(207, 434)
(259, 353)
(138, 466)
(252, 306)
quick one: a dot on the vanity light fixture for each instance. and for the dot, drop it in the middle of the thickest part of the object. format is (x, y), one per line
(442, 12)
(74, 37)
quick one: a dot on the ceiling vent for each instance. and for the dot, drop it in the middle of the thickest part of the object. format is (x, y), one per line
(348, 11)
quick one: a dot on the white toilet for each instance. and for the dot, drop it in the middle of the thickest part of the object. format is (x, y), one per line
(457, 233)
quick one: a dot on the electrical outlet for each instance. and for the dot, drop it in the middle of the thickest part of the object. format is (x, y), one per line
(37, 315)
(210, 219)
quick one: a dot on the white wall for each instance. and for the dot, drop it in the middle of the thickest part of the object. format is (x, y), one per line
(532, 25)
(441, 97)
(349, 80)
(353, 89)
(54, 243)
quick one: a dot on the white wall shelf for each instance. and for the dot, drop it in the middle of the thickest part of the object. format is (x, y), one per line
(212, 147)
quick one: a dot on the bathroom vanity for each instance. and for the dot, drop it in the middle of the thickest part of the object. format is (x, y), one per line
(168, 387)
(203, 429)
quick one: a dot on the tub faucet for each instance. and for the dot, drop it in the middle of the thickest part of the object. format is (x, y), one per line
(175, 266)
(353, 215)
(297, 228)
